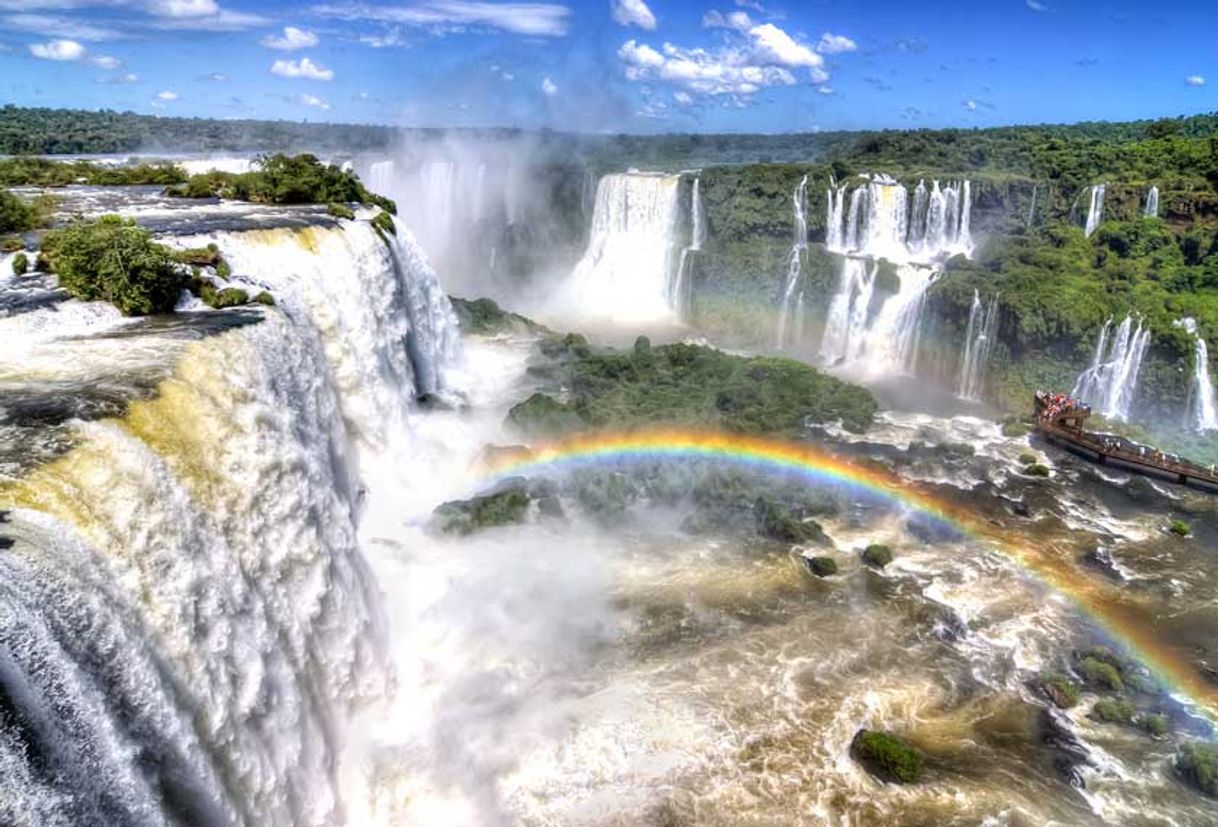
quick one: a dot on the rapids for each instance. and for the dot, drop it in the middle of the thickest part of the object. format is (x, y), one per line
(222, 600)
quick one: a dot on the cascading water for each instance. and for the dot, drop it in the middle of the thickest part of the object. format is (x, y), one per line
(681, 294)
(882, 224)
(791, 316)
(630, 265)
(1203, 408)
(1031, 207)
(1095, 212)
(1152, 203)
(1110, 384)
(188, 619)
(978, 344)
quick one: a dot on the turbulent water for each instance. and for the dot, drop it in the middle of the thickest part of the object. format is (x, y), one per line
(222, 603)
(634, 251)
(877, 333)
(1110, 384)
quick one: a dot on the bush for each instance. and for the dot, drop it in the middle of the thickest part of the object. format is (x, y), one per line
(21, 264)
(1113, 711)
(340, 211)
(1059, 689)
(1155, 724)
(506, 507)
(285, 179)
(1197, 763)
(383, 222)
(19, 216)
(1014, 429)
(265, 298)
(886, 757)
(1179, 528)
(777, 522)
(822, 566)
(111, 259)
(1099, 674)
(1036, 469)
(484, 317)
(541, 414)
(1027, 458)
(877, 555)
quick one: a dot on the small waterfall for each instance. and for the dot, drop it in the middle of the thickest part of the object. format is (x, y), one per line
(681, 296)
(1095, 212)
(793, 293)
(1203, 408)
(978, 344)
(916, 237)
(1152, 203)
(834, 219)
(1031, 208)
(1109, 385)
(627, 272)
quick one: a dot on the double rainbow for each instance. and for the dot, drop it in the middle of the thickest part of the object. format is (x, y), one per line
(1127, 623)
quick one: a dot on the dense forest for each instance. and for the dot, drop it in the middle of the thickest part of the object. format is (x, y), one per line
(1179, 153)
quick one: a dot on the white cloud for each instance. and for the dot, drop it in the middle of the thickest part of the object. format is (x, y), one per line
(633, 13)
(970, 105)
(683, 98)
(1195, 80)
(182, 8)
(391, 38)
(313, 101)
(548, 87)
(781, 48)
(167, 96)
(444, 16)
(58, 50)
(826, 90)
(58, 26)
(508, 76)
(130, 77)
(835, 44)
(1036, 5)
(718, 72)
(292, 39)
(106, 62)
(216, 77)
(303, 68)
(738, 20)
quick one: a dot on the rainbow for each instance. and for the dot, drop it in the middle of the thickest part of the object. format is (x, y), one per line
(1129, 624)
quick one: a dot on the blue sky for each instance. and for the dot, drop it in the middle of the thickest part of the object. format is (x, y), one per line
(617, 65)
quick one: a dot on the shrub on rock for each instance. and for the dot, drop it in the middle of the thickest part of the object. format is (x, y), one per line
(1036, 469)
(508, 506)
(21, 264)
(777, 522)
(877, 555)
(886, 757)
(541, 414)
(1197, 764)
(1100, 674)
(821, 566)
(1059, 689)
(1113, 711)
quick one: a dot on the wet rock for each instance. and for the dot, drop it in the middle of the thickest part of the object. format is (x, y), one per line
(1069, 754)
(543, 415)
(886, 757)
(1102, 560)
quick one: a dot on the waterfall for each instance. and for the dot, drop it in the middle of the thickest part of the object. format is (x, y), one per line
(1203, 408)
(915, 237)
(1109, 385)
(978, 344)
(1152, 203)
(1031, 207)
(793, 292)
(1095, 212)
(835, 203)
(682, 290)
(627, 272)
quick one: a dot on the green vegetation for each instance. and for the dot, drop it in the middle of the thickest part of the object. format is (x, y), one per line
(41, 172)
(18, 215)
(1154, 724)
(1036, 469)
(383, 222)
(822, 566)
(690, 385)
(1014, 429)
(1101, 674)
(1113, 711)
(340, 211)
(265, 298)
(21, 264)
(113, 260)
(508, 506)
(886, 757)
(544, 415)
(483, 317)
(1197, 763)
(283, 179)
(1179, 528)
(877, 555)
(1027, 458)
(777, 521)
(1059, 689)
